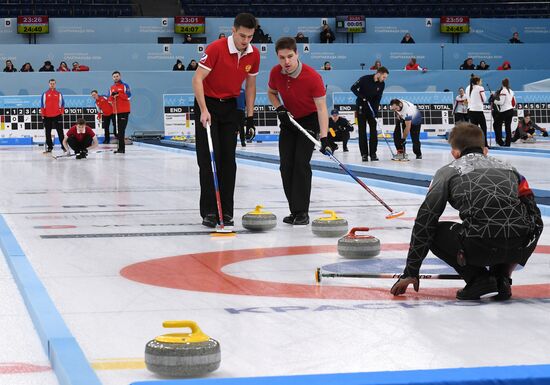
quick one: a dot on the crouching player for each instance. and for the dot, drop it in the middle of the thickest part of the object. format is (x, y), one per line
(80, 138)
(501, 223)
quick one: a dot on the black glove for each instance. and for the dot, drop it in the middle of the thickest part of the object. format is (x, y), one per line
(545, 133)
(250, 129)
(282, 114)
(114, 93)
(400, 287)
(326, 146)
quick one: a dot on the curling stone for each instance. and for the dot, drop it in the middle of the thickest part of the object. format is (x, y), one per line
(355, 246)
(258, 220)
(182, 354)
(332, 226)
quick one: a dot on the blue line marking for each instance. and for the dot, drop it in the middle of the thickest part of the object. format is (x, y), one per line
(67, 359)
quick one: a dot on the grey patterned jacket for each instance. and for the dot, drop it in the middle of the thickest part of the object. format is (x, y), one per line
(493, 200)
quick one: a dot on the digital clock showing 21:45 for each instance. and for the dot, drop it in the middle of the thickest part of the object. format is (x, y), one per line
(33, 24)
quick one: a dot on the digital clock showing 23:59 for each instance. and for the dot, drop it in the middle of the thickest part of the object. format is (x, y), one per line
(33, 24)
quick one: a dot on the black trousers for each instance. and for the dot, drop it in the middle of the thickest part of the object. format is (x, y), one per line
(225, 120)
(295, 151)
(341, 136)
(506, 118)
(461, 117)
(79, 146)
(478, 118)
(53, 123)
(364, 116)
(520, 134)
(415, 136)
(121, 120)
(105, 123)
(498, 253)
(242, 132)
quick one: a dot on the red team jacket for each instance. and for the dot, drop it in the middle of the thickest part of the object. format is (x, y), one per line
(52, 104)
(103, 106)
(121, 103)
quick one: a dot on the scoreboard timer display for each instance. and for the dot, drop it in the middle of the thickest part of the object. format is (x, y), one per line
(33, 24)
(189, 24)
(350, 24)
(454, 24)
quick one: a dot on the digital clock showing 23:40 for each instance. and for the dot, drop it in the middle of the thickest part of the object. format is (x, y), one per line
(33, 24)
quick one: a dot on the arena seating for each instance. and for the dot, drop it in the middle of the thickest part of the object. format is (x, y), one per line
(369, 8)
(67, 8)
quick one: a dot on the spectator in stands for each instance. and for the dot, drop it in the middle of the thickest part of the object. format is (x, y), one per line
(301, 38)
(327, 66)
(505, 66)
(9, 67)
(482, 66)
(327, 36)
(192, 66)
(407, 39)
(178, 66)
(515, 39)
(412, 65)
(77, 67)
(188, 39)
(377, 64)
(63, 67)
(47, 67)
(260, 36)
(468, 64)
(526, 128)
(460, 109)
(27, 68)
(221, 36)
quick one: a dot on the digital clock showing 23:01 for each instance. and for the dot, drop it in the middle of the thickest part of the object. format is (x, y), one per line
(33, 24)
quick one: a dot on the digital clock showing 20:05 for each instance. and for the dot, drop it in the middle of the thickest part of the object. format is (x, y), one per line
(33, 24)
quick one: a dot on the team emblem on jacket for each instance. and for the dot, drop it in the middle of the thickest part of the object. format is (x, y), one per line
(203, 58)
(247, 68)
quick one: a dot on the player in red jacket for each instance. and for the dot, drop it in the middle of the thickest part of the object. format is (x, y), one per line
(52, 106)
(80, 138)
(120, 100)
(105, 114)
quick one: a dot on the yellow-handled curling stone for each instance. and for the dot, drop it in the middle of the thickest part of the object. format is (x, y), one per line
(358, 246)
(331, 226)
(258, 220)
(182, 354)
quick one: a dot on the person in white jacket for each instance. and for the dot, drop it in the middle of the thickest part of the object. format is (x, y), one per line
(475, 95)
(505, 103)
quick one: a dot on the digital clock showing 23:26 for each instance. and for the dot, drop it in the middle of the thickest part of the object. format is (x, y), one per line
(33, 24)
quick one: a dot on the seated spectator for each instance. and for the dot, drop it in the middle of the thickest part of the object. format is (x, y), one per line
(63, 67)
(482, 66)
(412, 65)
(192, 66)
(77, 67)
(9, 67)
(27, 68)
(505, 66)
(327, 66)
(526, 128)
(515, 39)
(377, 64)
(178, 66)
(468, 64)
(301, 38)
(326, 35)
(339, 129)
(260, 36)
(407, 39)
(188, 39)
(221, 36)
(47, 67)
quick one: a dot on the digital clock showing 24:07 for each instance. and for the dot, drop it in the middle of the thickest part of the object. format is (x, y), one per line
(33, 24)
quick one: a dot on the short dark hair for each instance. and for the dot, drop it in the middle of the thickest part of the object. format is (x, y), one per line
(286, 43)
(395, 102)
(51, 80)
(115, 72)
(466, 135)
(382, 70)
(92, 91)
(81, 121)
(246, 20)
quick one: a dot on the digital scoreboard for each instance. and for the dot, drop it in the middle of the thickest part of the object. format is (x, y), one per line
(454, 24)
(189, 24)
(33, 24)
(350, 24)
